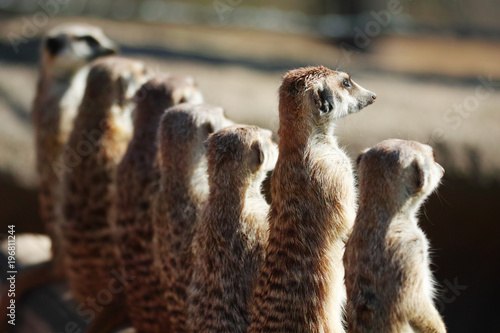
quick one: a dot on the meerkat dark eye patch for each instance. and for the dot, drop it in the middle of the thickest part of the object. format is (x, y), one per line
(54, 44)
(324, 99)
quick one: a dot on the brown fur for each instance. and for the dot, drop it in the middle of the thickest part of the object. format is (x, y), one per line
(229, 242)
(60, 89)
(183, 189)
(136, 183)
(300, 288)
(102, 130)
(388, 280)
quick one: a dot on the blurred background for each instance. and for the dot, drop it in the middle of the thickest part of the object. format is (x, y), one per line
(434, 64)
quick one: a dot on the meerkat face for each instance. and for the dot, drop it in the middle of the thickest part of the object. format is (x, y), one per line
(336, 95)
(407, 169)
(69, 47)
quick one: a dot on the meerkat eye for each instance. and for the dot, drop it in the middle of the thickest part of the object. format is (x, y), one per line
(91, 41)
(346, 83)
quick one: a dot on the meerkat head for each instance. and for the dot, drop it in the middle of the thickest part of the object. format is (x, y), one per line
(183, 131)
(242, 153)
(316, 96)
(115, 80)
(162, 92)
(68, 47)
(403, 171)
(111, 85)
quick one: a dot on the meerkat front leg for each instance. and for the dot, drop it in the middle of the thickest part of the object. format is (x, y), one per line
(427, 319)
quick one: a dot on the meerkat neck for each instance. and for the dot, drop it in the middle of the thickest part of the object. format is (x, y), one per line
(295, 136)
(225, 209)
(145, 130)
(379, 212)
(185, 181)
(49, 75)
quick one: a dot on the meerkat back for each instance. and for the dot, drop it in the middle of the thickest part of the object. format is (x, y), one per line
(182, 191)
(229, 242)
(65, 52)
(136, 183)
(388, 279)
(103, 128)
(300, 287)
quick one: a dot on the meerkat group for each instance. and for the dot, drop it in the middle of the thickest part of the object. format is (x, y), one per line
(168, 191)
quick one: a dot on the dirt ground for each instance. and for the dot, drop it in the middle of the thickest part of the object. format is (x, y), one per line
(434, 90)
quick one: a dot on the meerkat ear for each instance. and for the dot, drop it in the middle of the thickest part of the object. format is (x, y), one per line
(323, 99)
(209, 128)
(257, 157)
(418, 176)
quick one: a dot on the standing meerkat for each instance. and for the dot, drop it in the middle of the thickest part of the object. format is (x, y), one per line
(65, 52)
(300, 288)
(102, 130)
(229, 242)
(136, 182)
(388, 279)
(183, 189)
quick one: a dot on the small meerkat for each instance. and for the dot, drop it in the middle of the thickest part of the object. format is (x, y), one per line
(229, 242)
(300, 287)
(65, 52)
(389, 283)
(182, 191)
(102, 131)
(135, 184)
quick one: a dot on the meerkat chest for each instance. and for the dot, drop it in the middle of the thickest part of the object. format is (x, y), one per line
(70, 101)
(406, 240)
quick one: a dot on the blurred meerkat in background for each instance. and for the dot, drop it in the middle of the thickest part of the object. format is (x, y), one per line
(66, 51)
(182, 191)
(389, 282)
(102, 131)
(229, 241)
(136, 182)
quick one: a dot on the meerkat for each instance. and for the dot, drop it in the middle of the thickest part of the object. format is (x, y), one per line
(389, 283)
(135, 185)
(229, 242)
(65, 52)
(300, 287)
(102, 131)
(182, 191)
